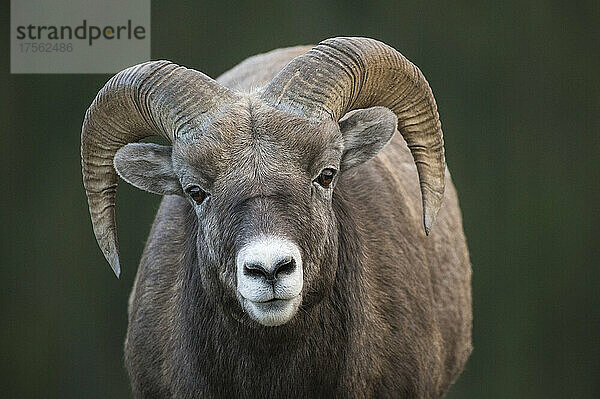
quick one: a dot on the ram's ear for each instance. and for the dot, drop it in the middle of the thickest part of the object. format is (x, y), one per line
(365, 133)
(148, 167)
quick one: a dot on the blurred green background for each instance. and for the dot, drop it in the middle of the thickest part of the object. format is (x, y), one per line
(519, 96)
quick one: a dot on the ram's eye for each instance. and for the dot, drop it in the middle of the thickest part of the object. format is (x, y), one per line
(326, 177)
(196, 193)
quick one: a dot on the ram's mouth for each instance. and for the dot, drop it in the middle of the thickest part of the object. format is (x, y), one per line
(271, 304)
(272, 300)
(272, 312)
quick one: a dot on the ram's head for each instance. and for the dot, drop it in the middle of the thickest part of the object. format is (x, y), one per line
(259, 170)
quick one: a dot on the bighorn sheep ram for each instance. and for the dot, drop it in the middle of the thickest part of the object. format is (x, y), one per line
(287, 258)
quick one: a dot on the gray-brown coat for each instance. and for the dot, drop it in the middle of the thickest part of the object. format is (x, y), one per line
(384, 309)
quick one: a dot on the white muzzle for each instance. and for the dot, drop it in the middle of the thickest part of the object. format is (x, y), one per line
(269, 279)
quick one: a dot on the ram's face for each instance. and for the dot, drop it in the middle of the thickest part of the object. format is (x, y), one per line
(261, 183)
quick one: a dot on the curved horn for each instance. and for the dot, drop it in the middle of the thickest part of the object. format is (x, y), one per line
(156, 98)
(346, 73)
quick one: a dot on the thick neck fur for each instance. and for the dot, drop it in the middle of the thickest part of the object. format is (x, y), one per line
(304, 358)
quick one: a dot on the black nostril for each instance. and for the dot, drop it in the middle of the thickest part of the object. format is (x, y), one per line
(255, 270)
(285, 266)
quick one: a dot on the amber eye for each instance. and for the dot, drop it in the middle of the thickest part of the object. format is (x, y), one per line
(326, 177)
(196, 193)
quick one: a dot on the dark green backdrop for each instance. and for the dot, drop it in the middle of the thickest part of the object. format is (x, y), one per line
(519, 96)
